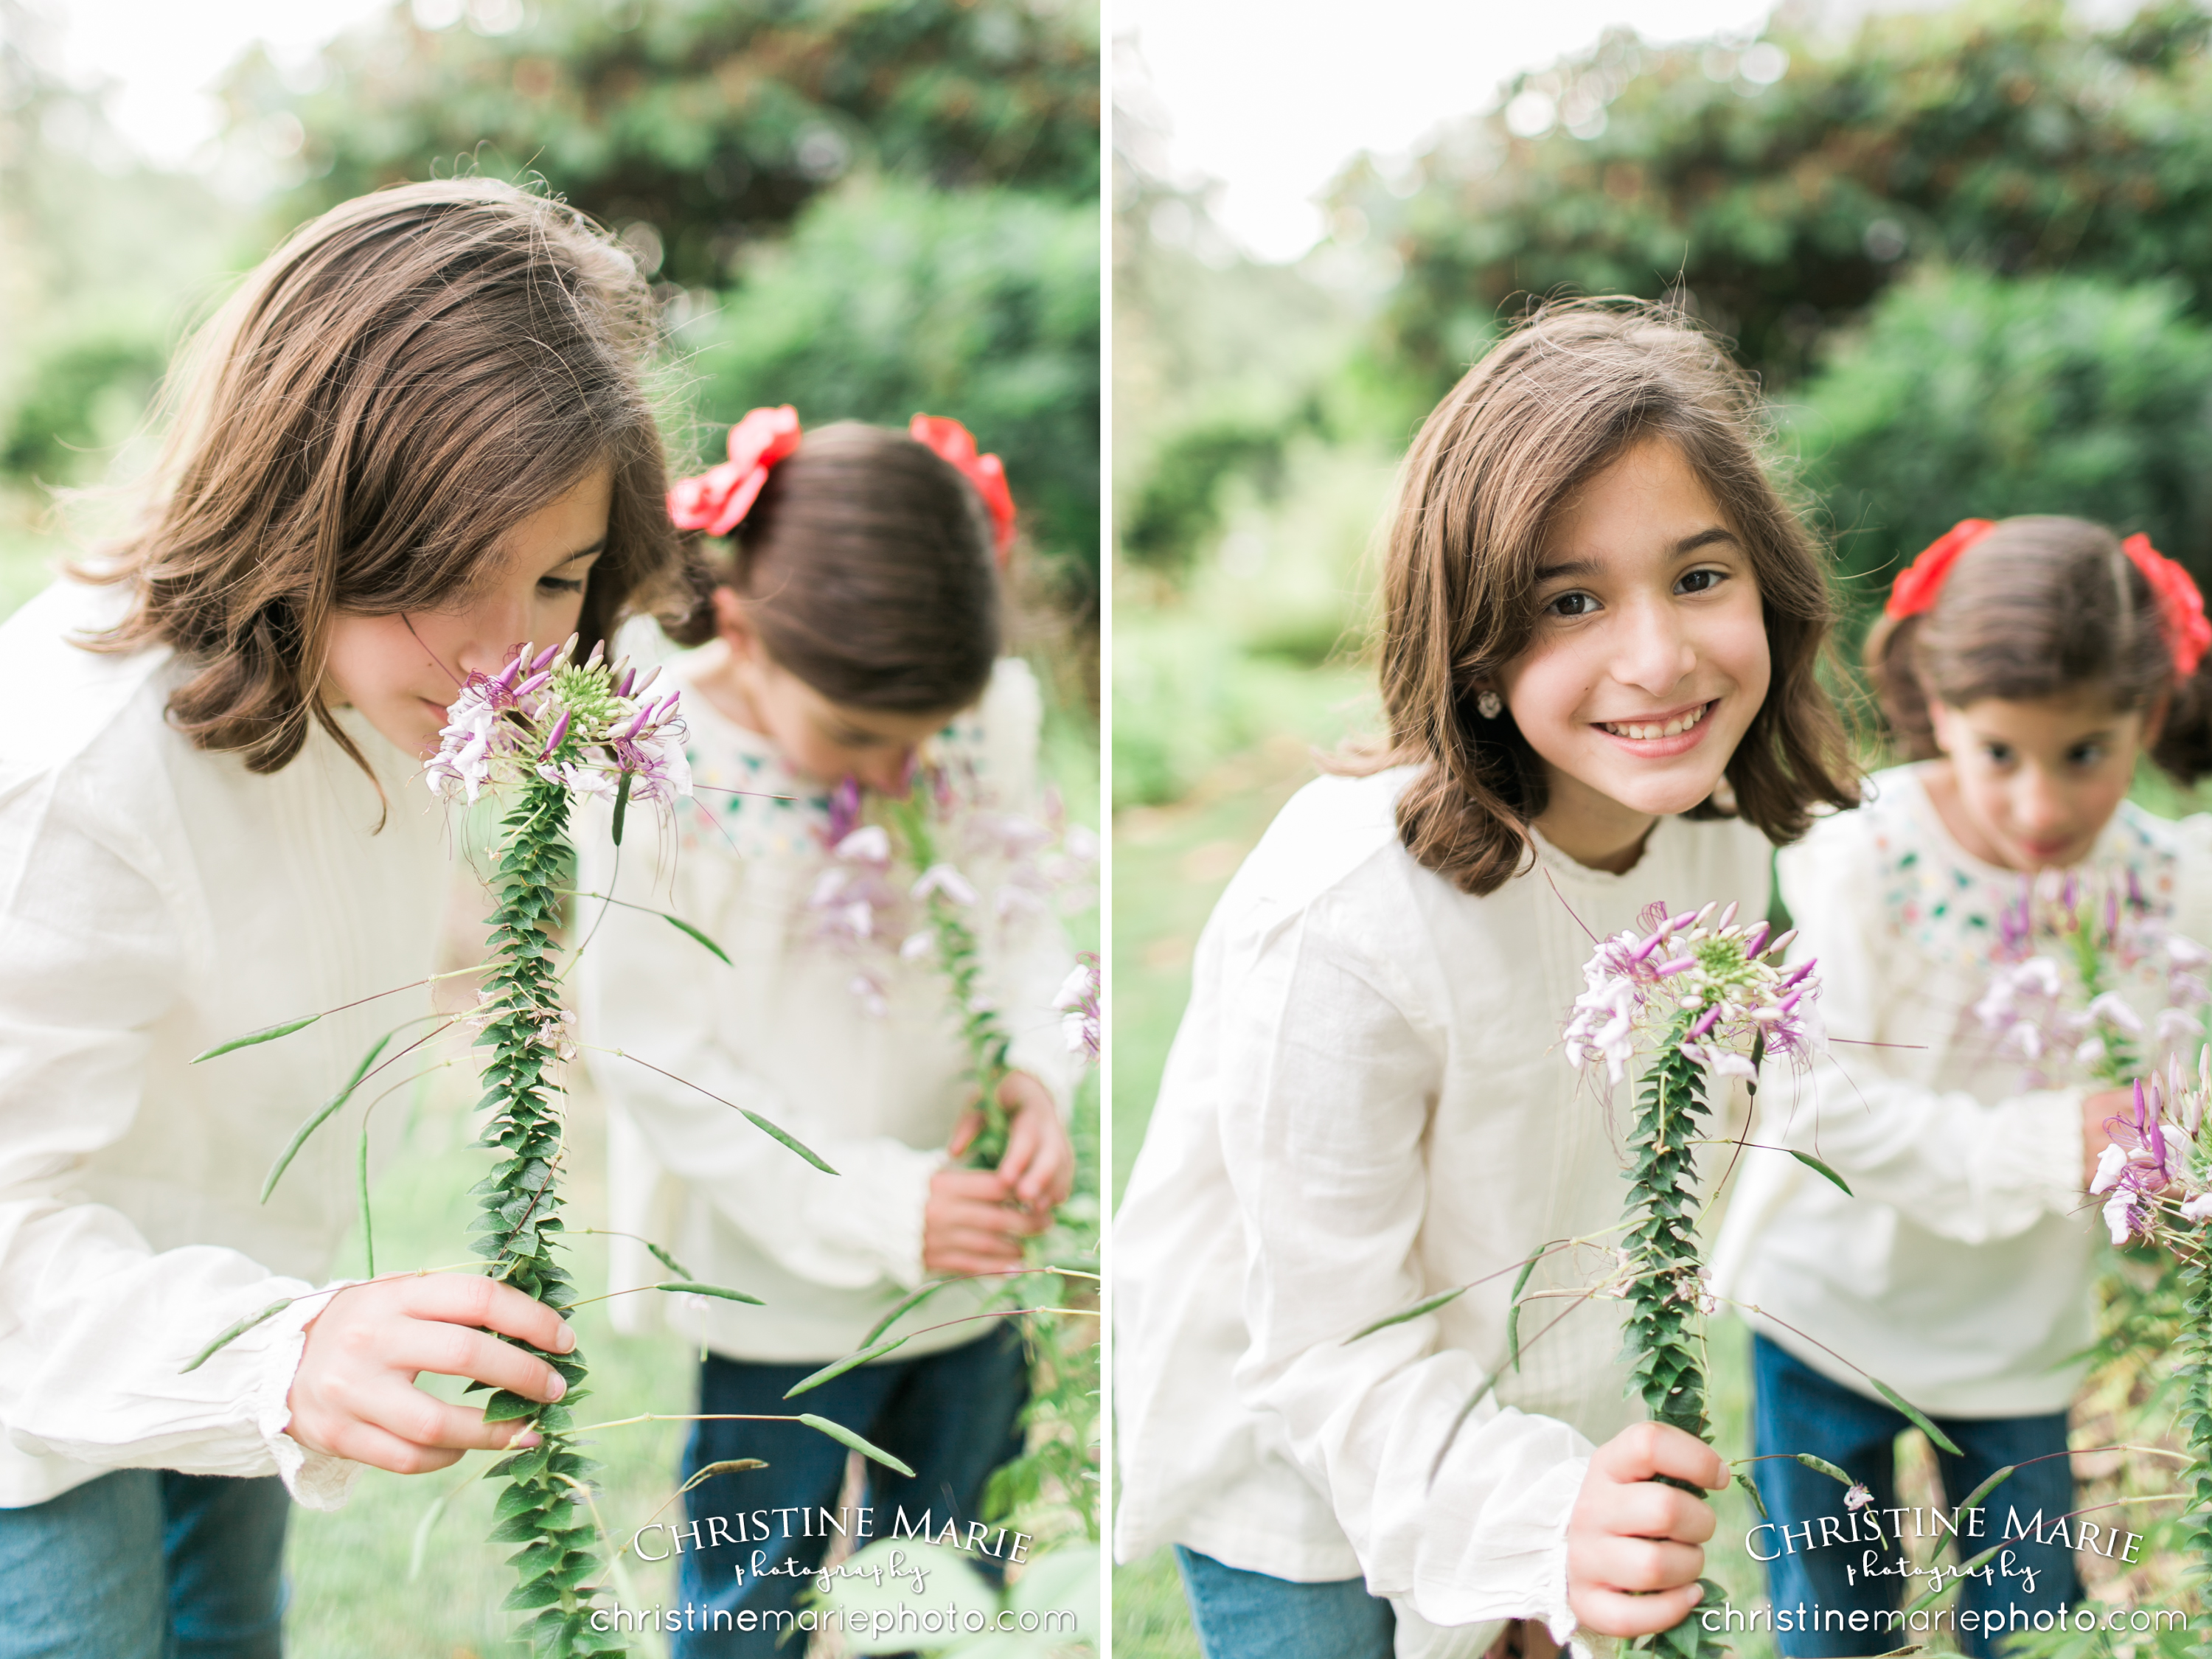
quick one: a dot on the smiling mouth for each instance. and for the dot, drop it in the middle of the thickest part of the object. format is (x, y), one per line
(1646, 731)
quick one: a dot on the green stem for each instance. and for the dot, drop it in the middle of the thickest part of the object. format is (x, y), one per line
(1664, 1326)
(521, 1220)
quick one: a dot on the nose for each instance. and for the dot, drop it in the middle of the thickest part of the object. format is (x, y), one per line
(2041, 810)
(886, 772)
(494, 626)
(1651, 651)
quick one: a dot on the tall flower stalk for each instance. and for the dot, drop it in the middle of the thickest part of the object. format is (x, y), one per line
(861, 906)
(1704, 998)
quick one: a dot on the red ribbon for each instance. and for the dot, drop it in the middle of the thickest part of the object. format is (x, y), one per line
(2180, 605)
(953, 442)
(717, 500)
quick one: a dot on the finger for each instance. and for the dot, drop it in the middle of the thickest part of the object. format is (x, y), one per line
(432, 1345)
(423, 1420)
(1651, 1510)
(993, 1250)
(471, 1299)
(979, 1186)
(963, 1132)
(365, 1443)
(1635, 1564)
(963, 1263)
(1645, 1449)
(978, 1217)
(1611, 1613)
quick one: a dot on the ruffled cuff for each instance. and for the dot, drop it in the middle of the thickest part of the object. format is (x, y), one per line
(902, 1209)
(317, 1481)
(1558, 1618)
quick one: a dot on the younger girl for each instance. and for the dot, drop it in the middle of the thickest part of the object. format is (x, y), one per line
(414, 439)
(853, 636)
(1598, 660)
(2025, 668)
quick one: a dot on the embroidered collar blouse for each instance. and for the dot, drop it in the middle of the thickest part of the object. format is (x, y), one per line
(155, 900)
(1366, 1105)
(1960, 1273)
(875, 1090)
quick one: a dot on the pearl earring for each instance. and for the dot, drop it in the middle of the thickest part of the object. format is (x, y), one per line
(1490, 705)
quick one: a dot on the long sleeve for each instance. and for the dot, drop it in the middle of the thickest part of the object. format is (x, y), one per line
(666, 1002)
(1962, 1166)
(96, 1326)
(1328, 1084)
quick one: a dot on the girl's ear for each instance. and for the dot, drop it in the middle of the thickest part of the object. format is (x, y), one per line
(2153, 721)
(1943, 725)
(734, 623)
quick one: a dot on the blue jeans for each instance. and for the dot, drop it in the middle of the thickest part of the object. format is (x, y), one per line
(146, 1563)
(1823, 1546)
(1240, 1614)
(952, 1417)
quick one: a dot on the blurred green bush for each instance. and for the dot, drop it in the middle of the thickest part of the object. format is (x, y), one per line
(890, 297)
(1968, 395)
(1784, 182)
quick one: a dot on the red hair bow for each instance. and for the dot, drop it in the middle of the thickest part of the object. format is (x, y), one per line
(2180, 606)
(1917, 584)
(717, 500)
(953, 442)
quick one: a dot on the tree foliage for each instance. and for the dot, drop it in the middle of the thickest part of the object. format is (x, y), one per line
(889, 298)
(708, 124)
(2004, 136)
(1967, 395)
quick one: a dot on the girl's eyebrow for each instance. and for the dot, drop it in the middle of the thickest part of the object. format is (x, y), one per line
(1681, 550)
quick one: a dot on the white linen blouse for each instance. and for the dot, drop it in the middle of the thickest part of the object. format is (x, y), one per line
(780, 1030)
(1366, 1105)
(1960, 1273)
(155, 900)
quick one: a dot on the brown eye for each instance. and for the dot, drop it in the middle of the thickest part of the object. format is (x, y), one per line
(1571, 604)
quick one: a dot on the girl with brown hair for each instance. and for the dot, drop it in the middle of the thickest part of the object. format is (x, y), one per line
(850, 658)
(2026, 667)
(416, 438)
(1601, 629)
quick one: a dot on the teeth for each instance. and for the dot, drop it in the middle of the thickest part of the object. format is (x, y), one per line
(1674, 727)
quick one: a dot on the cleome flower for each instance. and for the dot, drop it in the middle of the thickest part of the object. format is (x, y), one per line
(1078, 1002)
(587, 727)
(2087, 980)
(1728, 980)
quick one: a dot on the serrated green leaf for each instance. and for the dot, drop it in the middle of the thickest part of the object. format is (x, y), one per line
(266, 1034)
(505, 1407)
(844, 1436)
(539, 1593)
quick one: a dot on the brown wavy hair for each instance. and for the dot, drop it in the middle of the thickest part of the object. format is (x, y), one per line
(1553, 404)
(866, 566)
(404, 380)
(2041, 607)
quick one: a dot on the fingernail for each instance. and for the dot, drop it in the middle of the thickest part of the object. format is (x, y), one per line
(560, 1386)
(525, 1441)
(568, 1339)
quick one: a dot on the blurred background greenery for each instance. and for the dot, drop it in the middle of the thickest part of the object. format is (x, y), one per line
(1968, 250)
(864, 208)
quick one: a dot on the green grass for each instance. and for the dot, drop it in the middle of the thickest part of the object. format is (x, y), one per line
(353, 1596)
